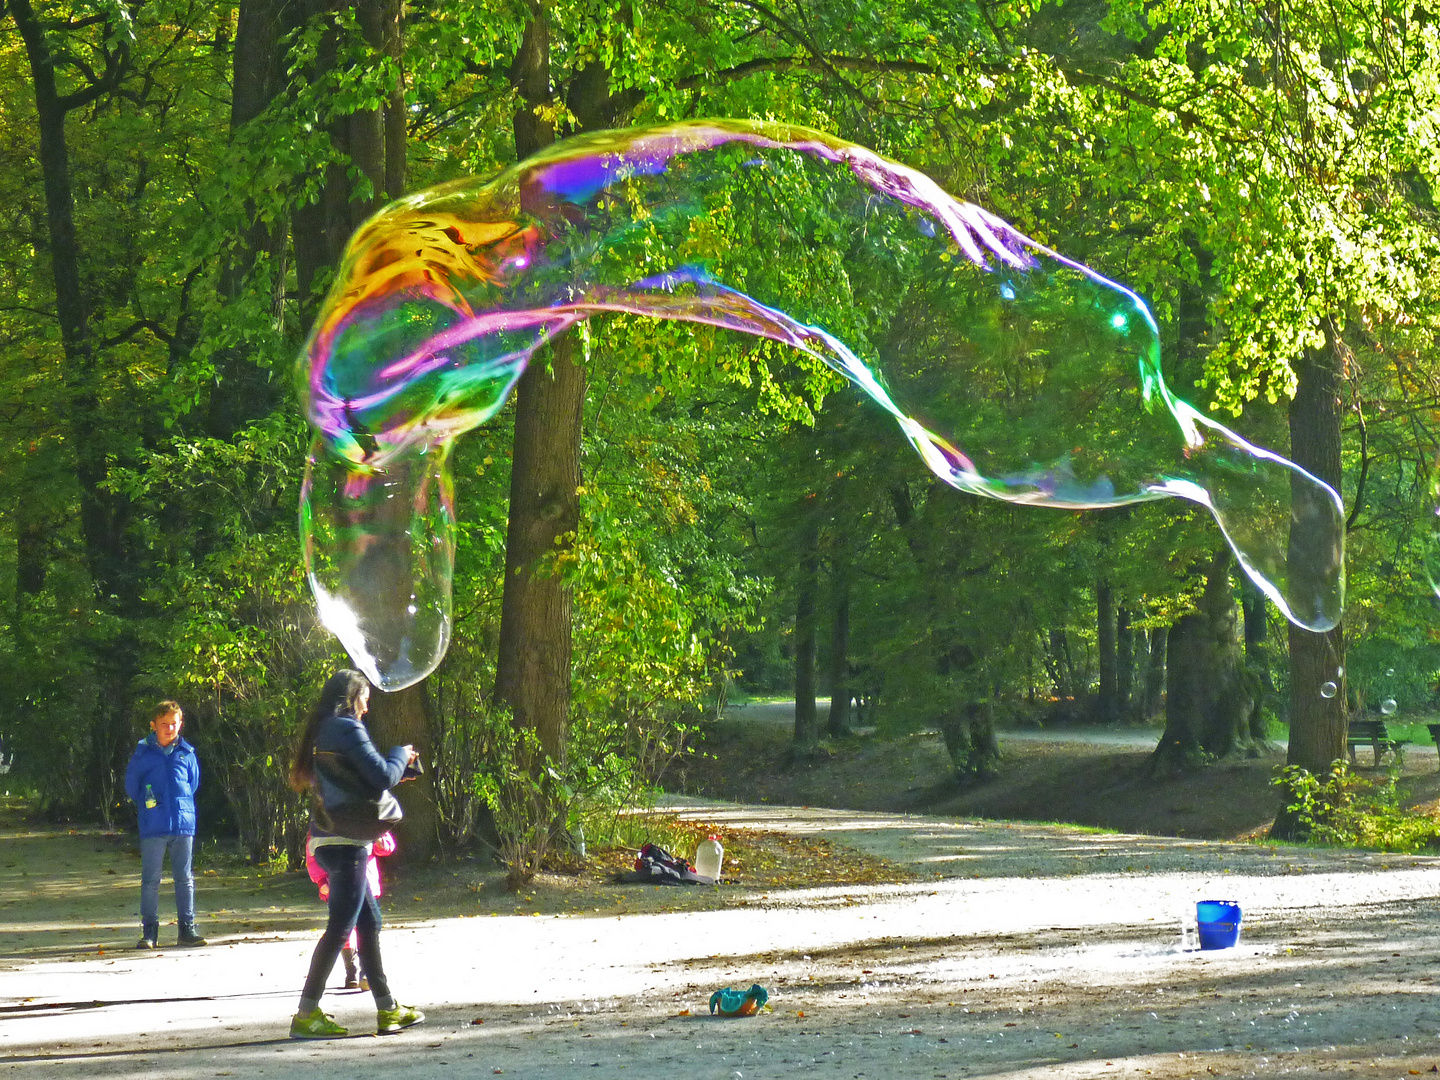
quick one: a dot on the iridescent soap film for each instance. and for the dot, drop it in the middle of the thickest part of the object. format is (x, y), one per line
(1016, 373)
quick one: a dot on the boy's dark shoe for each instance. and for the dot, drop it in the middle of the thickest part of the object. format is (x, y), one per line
(149, 936)
(189, 938)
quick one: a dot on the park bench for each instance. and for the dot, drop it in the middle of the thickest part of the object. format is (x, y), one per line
(1434, 734)
(1372, 733)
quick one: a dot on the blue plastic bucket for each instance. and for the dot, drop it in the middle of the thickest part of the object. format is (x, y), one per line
(1218, 923)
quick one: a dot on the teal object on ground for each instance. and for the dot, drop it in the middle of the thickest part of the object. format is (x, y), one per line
(730, 1002)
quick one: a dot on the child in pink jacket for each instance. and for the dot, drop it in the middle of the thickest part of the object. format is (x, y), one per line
(354, 978)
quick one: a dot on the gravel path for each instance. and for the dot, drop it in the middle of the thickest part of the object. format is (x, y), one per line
(1029, 951)
(782, 714)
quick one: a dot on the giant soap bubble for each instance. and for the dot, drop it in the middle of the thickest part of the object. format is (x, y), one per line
(1016, 373)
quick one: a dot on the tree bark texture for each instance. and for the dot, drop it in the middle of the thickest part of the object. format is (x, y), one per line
(395, 720)
(969, 735)
(104, 516)
(1105, 704)
(1154, 699)
(1207, 711)
(1317, 721)
(807, 724)
(1059, 662)
(838, 722)
(1124, 661)
(373, 141)
(244, 390)
(533, 667)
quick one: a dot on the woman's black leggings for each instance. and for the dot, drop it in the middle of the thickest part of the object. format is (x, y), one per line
(352, 907)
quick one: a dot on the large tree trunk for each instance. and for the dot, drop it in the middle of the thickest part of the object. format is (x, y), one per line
(395, 720)
(245, 391)
(374, 142)
(1105, 706)
(1058, 661)
(1154, 697)
(533, 667)
(1207, 711)
(101, 516)
(969, 736)
(1317, 661)
(104, 515)
(1124, 661)
(807, 724)
(838, 722)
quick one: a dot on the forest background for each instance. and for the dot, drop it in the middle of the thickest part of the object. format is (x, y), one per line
(665, 511)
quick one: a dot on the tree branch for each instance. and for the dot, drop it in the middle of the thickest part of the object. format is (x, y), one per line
(802, 62)
(135, 328)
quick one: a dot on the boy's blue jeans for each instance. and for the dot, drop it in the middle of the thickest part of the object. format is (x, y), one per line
(152, 856)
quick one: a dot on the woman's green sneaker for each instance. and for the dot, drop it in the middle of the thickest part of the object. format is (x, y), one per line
(389, 1021)
(316, 1025)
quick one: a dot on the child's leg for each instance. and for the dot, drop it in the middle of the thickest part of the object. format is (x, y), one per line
(152, 857)
(181, 850)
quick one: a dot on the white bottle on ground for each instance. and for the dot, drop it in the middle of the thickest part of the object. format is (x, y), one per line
(708, 857)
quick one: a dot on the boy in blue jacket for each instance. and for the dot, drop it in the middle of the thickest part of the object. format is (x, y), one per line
(162, 779)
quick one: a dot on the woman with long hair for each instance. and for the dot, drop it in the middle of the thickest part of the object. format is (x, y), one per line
(356, 774)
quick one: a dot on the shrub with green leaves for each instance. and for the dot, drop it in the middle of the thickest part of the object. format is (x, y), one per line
(1347, 810)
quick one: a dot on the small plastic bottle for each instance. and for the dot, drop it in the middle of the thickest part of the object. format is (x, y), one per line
(708, 857)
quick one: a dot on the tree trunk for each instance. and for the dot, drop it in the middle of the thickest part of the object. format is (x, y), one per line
(1061, 667)
(1257, 655)
(245, 391)
(807, 725)
(1105, 710)
(1154, 699)
(533, 667)
(1208, 709)
(101, 519)
(395, 720)
(1124, 661)
(838, 722)
(969, 735)
(374, 142)
(104, 515)
(1317, 661)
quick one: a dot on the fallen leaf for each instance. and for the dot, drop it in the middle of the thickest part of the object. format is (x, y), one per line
(683, 1012)
(478, 1020)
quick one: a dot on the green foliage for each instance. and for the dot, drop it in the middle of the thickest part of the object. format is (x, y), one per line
(525, 790)
(1347, 810)
(1265, 182)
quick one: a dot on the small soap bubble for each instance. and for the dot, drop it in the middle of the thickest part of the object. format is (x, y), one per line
(1390, 673)
(1339, 673)
(1328, 689)
(442, 299)
(1388, 706)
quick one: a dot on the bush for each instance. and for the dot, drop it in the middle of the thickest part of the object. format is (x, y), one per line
(1347, 810)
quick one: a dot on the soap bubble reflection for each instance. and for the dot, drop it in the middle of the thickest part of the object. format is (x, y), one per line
(1015, 372)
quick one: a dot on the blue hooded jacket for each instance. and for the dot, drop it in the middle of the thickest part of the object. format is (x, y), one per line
(172, 778)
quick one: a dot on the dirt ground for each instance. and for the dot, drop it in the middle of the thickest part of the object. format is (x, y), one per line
(938, 946)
